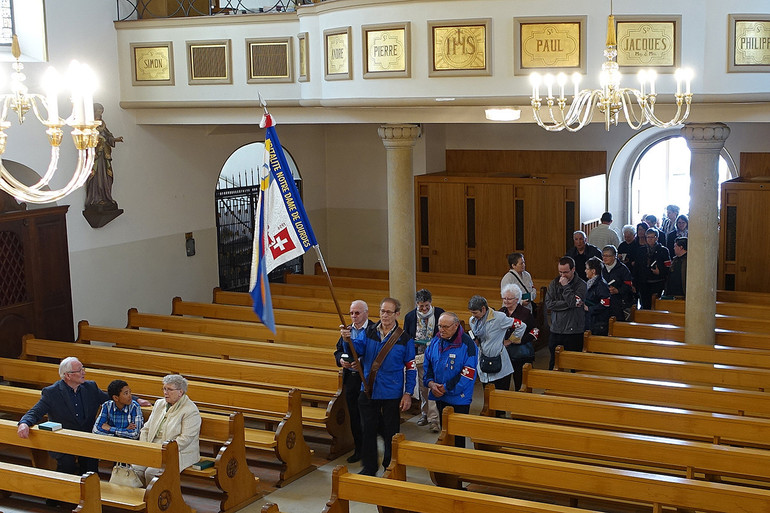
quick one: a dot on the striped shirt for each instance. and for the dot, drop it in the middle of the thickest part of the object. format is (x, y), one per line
(119, 419)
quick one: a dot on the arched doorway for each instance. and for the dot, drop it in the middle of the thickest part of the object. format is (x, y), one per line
(236, 196)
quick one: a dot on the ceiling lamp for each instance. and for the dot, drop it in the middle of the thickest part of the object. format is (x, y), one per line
(84, 133)
(610, 99)
(502, 114)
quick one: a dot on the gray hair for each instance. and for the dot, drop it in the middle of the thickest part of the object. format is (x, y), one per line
(423, 295)
(451, 315)
(361, 302)
(513, 289)
(581, 232)
(610, 249)
(66, 365)
(177, 381)
(629, 229)
(476, 303)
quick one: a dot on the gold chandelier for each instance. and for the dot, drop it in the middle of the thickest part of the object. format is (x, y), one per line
(610, 99)
(84, 132)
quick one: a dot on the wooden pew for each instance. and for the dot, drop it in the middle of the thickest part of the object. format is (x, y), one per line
(393, 495)
(246, 314)
(163, 494)
(676, 334)
(235, 329)
(184, 343)
(631, 451)
(680, 371)
(287, 442)
(451, 465)
(740, 296)
(319, 383)
(655, 393)
(671, 350)
(254, 401)
(80, 490)
(747, 324)
(236, 482)
(723, 308)
(679, 423)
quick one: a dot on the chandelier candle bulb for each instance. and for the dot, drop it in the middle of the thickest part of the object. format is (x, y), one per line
(561, 79)
(50, 85)
(549, 84)
(534, 79)
(576, 82)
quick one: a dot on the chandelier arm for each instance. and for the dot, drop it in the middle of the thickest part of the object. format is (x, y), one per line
(677, 119)
(11, 180)
(628, 110)
(19, 190)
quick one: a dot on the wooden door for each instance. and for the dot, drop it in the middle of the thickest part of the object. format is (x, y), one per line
(751, 241)
(544, 225)
(494, 227)
(443, 235)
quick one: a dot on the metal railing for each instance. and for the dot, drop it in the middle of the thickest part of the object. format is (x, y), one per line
(144, 9)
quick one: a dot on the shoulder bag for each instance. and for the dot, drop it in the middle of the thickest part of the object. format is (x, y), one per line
(380, 358)
(124, 474)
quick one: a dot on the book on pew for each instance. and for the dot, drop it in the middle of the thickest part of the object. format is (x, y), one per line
(202, 465)
(49, 426)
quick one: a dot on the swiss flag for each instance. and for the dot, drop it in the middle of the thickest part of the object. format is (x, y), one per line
(411, 365)
(605, 301)
(281, 243)
(517, 323)
(469, 372)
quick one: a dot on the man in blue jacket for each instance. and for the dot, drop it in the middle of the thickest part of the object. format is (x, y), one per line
(74, 403)
(386, 352)
(450, 368)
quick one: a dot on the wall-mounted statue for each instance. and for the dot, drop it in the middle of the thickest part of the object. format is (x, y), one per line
(100, 207)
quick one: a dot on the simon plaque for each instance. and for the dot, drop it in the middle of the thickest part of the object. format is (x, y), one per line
(460, 48)
(648, 43)
(749, 37)
(386, 51)
(153, 64)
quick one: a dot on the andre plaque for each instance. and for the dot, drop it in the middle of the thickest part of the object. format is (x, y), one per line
(386, 50)
(337, 50)
(549, 44)
(460, 48)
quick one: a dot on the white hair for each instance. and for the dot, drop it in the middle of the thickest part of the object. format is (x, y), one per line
(512, 288)
(66, 365)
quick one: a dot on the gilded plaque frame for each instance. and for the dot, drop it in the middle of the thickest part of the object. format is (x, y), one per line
(152, 63)
(564, 37)
(656, 40)
(390, 58)
(282, 69)
(303, 58)
(740, 60)
(195, 74)
(472, 36)
(338, 48)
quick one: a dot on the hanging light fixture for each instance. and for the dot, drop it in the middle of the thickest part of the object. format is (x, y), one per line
(610, 99)
(84, 132)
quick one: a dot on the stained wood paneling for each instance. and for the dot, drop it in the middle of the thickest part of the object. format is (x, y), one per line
(525, 163)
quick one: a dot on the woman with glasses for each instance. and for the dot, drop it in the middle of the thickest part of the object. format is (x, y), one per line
(175, 417)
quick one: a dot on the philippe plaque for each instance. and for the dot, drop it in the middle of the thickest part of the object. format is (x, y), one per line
(460, 49)
(752, 43)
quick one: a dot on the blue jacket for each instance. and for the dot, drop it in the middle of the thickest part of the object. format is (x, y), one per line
(389, 383)
(451, 363)
(56, 403)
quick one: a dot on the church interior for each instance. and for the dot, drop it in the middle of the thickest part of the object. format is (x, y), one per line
(383, 109)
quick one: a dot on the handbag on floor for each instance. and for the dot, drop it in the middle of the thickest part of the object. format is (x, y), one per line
(125, 475)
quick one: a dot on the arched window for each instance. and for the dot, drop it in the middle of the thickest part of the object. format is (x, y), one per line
(661, 177)
(236, 203)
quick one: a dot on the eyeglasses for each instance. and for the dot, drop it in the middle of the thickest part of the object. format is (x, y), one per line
(387, 312)
(169, 389)
(445, 326)
(79, 371)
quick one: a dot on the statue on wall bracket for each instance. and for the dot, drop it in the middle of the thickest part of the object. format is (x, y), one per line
(100, 208)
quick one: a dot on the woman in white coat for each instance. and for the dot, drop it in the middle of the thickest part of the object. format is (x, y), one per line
(175, 417)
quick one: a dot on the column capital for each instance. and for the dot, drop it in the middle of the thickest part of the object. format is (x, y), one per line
(706, 136)
(399, 135)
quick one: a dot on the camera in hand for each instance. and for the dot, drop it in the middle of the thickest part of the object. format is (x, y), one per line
(347, 358)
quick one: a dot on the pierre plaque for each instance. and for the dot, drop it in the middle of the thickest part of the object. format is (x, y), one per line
(386, 50)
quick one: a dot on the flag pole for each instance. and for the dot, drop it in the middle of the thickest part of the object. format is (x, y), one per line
(339, 312)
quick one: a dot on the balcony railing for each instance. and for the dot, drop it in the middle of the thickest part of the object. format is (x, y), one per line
(147, 9)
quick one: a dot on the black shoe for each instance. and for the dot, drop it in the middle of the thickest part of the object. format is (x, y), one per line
(353, 458)
(366, 472)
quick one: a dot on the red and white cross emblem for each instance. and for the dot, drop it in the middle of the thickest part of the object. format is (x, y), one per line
(281, 243)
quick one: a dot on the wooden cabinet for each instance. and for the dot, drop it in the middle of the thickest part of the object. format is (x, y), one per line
(35, 292)
(744, 244)
(469, 225)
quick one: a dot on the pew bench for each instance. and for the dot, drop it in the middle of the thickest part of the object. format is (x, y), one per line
(451, 465)
(749, 378)
(606, 447)
(725, 322)
(680, 423)
(230, 472)
(225, 348)
(163, 493)
(393, 495)
(671, 350)
(294, 335)
(723, 308)
(80, 490)
(287, 442)
(653, 393)
(284, 317)
(741, 296)
(676, 334)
